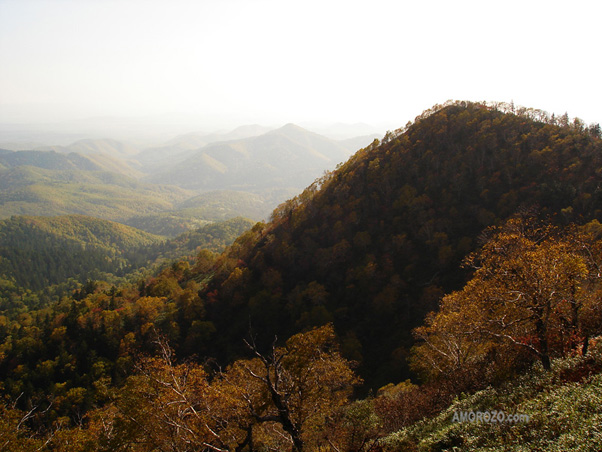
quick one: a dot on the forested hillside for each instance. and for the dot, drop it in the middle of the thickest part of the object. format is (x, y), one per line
(375, 244)
(484, 215)
(38, 252)
(43, 258)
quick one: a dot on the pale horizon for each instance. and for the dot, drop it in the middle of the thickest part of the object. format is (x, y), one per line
(215, 65)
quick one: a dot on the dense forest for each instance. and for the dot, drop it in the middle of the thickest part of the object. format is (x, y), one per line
(374, 245)
(43, 258)
(452, 266)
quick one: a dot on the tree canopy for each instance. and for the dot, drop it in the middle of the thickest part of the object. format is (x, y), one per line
(532, 289)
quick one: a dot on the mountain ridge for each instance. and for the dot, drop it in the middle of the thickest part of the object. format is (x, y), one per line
(373, 245)
(366, 251)
(289, 156)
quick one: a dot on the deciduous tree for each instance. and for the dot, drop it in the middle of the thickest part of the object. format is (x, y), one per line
(527, 292)
(297, 387)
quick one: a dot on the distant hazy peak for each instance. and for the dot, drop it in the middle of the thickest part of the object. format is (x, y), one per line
(249, 130)
(198, 140)
(292, 129)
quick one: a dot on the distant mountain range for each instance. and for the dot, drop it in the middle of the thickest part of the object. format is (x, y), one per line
(287, 157)
(176, 150)
(257, 168)
(104, 146)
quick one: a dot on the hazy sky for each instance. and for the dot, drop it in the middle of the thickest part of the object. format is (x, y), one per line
(277, 61)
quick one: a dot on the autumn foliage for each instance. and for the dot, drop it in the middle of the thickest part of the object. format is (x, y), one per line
(282, 400)
(533, 294)
(352, 286)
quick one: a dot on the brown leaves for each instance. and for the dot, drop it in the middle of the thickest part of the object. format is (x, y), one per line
(280, 399)
(528, 292)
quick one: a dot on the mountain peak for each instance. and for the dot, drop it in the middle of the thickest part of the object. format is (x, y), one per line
(290, 127)
(383, 237)
(295, 132)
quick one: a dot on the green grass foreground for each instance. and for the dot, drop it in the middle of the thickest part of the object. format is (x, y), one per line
(564, 408)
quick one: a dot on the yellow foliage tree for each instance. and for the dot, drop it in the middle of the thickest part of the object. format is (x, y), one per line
(296, 388)
(168, 406)
(529, 288)
(282, 399)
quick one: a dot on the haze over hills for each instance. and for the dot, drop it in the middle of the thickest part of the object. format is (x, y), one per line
(117, 181)
(105, 146)
(286, 157)
(155, 159)
(344, 131)
(197, 140)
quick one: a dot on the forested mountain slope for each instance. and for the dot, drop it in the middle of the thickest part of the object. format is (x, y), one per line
(38, 252)
(371, 248)
(59, 254)
(374, 245)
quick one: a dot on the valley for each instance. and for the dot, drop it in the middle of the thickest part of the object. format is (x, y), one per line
(191, 180)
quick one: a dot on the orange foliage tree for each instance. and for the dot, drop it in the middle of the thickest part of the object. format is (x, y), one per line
(530, 287)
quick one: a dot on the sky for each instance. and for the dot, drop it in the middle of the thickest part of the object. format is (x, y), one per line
(232, 62)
